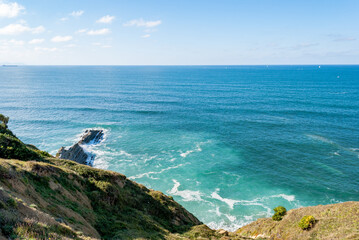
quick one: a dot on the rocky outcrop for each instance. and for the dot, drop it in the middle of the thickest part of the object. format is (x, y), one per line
(92, 136)
(77, 153)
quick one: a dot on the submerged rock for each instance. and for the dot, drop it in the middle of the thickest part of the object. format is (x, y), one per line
(77, 153)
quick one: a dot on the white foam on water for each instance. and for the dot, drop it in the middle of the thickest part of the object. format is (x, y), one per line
(149, 159)
(289, 198)
(230, 217)
(197, 149)
(229, 202)
(187, 195)
(336, 153)
(185, 154)
(249, 218)
(124, 153)
(228, 225)
(147, 174)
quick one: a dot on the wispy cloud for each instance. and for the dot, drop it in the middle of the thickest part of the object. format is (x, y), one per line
(82, 30)
(142, 23)
(304, 45)
(102, 31)
(64, 19)
(106, 19)
(18, 28)
(77, 13)
(12, 42)
(101, 45)
(44, 49)
(61, 39)
(10, 10)
(37, 41)
(344, 39)
(146, 36)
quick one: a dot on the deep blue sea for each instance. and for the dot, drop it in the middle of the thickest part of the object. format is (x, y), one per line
(229, 143)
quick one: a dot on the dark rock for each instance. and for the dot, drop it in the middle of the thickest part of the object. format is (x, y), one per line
(93, 136)
(77, 153)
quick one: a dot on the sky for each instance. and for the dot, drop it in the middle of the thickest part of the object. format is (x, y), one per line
(182, 32)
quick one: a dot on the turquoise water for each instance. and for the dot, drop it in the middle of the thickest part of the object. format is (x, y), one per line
(228, 142)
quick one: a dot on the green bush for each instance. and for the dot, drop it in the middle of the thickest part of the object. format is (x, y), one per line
(279, 212)
(4, 119)
(277, 217)
(306, 222)
(11, 147)
(11, 203)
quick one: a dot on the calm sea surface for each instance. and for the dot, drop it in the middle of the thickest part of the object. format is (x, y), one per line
(228, 142)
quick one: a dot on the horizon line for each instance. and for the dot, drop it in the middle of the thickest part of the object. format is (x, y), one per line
(184, 65)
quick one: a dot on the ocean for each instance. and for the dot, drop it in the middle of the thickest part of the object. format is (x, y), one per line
(229, 143)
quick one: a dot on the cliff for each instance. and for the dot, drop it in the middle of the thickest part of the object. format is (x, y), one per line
(42, 197)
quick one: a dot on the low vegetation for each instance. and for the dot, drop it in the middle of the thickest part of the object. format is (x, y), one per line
(279, 213)
(306, 222)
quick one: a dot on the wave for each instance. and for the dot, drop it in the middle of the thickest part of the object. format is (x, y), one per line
(197, 149)
(124, 153)
(255, 202)
(320, 138)
(352, 151)
(228, 201)
(159, 172)
(149, 158)
(187, 195)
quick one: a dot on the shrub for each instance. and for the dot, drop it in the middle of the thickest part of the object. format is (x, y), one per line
(306, 222)
(4, 119)
(11, 147)
(279, 212)
(11, 203)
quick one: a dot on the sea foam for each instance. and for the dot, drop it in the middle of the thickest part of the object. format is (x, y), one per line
(187, 195)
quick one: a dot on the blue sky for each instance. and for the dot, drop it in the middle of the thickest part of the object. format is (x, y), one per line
(143, 32)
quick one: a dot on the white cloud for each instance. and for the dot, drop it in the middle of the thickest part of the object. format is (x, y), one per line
(42, 49)
(141, 23)
(12, 42)
(77, 13)
(63, 19)
(10, 10)
(146, 36)
(82, 30)
(106, 19)
(37, 41)
(18, 28)
(61, 38)
(102, 31)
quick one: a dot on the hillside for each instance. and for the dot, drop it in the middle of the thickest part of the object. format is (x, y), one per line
(42, 197)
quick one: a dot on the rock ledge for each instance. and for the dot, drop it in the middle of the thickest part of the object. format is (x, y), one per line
(77, 153)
